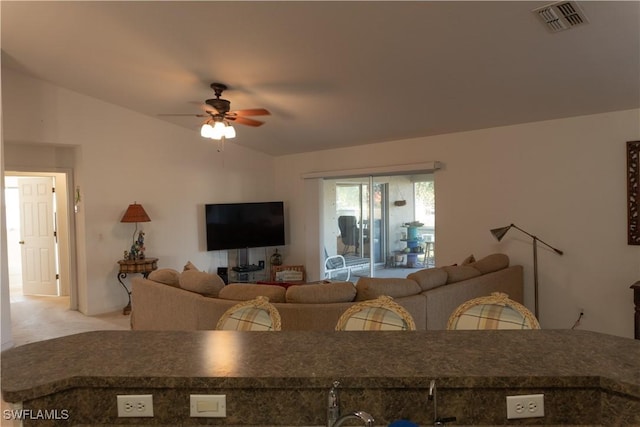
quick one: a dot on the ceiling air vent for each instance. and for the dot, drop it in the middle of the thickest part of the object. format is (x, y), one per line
(561, 16)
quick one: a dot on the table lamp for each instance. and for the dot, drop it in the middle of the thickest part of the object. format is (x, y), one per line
(135, 213)
(499, 233)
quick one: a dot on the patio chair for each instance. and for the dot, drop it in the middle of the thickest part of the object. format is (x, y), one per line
(348, 225)
(336, 265)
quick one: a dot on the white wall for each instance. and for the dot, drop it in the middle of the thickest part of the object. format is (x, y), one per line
(562, 180)
(119, 157)
(5, 307)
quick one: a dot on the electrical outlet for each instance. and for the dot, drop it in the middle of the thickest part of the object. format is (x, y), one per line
(525, 406)
(135, 405)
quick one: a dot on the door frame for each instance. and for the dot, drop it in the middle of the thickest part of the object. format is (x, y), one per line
(65, 207)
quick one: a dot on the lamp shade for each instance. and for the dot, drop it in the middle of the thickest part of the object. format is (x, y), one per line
(499, 233)
(135, 213)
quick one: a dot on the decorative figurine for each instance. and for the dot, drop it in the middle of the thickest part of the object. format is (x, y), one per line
(276, 258)
(140, 245)
(137, 249)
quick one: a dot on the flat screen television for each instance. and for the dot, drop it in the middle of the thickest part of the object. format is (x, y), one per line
(244, 225)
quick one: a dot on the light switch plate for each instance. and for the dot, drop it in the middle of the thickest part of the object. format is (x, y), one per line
(208, 405)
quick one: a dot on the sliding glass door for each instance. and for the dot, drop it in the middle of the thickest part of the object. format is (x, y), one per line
(381, 225)
(357, 210)
(359, 224)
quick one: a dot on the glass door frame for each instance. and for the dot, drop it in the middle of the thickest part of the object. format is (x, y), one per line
(371, 209)
(316, 211)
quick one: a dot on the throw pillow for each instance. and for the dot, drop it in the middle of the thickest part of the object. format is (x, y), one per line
(491, 263)
(371, 288)
(168, 276)
(245, 292)
(189, 266)
(468, 260)
(201, 282)
(321, 293)
(429, 278)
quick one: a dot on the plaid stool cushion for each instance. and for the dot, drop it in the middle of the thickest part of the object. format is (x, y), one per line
(490, 316)
(247, 319)
(375, 319)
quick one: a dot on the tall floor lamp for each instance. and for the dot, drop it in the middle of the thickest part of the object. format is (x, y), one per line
(499, 233)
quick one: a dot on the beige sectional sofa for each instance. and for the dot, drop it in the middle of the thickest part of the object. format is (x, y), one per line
(195, 300)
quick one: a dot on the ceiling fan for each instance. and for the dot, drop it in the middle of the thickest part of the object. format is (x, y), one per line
(218, 116)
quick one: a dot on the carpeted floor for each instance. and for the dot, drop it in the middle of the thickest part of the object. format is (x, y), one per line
(37, 318)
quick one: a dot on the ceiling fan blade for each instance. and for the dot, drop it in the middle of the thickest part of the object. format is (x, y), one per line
(245, 121)
(251, 112)
(209, 109)
(183, 115)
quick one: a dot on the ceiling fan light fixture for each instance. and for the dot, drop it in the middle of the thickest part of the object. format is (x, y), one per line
(218, 130)
(206, 131)
(218, 117)
(229, 132)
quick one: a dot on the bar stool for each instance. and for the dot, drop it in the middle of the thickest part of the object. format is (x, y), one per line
(429, 253)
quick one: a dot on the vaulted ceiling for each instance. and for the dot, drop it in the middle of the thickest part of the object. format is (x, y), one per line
(335, 73)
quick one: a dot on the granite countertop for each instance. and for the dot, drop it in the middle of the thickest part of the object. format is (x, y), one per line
(292, 359)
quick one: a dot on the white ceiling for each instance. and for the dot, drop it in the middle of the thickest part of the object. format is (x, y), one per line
(333, 73)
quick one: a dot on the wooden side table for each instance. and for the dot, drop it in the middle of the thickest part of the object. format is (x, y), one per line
(142, 266)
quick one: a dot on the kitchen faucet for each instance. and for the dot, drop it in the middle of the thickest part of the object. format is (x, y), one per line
(333, 410)
(432, 397)
(333, 404)
(365, 417)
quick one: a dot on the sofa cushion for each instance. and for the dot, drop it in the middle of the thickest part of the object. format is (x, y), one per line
(373, 287)
(458, 273)
(491, 263)
(322, 293)
(201, 282)
(168, 276)
(429, 278)
(245, 292)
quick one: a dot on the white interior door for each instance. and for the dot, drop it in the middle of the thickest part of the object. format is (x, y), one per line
(39, 266)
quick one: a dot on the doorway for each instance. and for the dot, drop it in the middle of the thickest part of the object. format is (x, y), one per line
(38, 224)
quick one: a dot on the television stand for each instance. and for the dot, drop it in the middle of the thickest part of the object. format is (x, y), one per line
(246, 268)
(247, 277)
